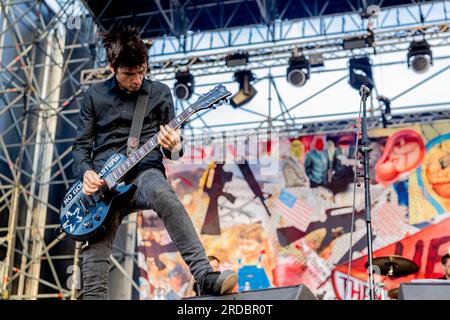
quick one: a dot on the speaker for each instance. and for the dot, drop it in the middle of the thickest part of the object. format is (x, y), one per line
(299, 292)
(432, 290)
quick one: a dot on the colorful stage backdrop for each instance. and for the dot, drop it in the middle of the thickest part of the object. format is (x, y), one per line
(292, 226)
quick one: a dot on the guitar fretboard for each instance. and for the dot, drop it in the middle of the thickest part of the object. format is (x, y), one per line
(145, 149)
(205, 101)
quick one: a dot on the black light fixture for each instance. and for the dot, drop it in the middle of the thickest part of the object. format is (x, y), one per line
(354, 43)
(385, 110)
(419, 56)
(246, 90)
(359, 42)
(236, 59)
(184, 85)
(316, 60)
(360, 73)
(298, 71)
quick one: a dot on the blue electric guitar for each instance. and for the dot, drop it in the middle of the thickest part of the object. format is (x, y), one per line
(84, 217)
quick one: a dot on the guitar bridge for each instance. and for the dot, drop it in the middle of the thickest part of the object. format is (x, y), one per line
(102, 191)
(84, 206)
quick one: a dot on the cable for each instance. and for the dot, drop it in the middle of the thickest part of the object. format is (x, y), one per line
(353, 204)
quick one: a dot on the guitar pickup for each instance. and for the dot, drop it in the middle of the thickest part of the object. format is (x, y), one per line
(101, 193)
(91, 201)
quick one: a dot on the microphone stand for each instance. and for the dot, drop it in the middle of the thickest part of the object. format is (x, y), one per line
(364, 150)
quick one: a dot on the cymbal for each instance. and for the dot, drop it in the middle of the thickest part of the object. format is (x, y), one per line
(394, 266)
(393, 293)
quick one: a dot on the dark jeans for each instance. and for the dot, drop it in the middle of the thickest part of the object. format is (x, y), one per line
(153, 192)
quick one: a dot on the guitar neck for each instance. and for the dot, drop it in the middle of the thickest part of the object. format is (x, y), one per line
(117, 174)
(213, 97)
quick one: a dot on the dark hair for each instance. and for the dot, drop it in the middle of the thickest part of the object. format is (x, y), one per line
(445, 258)
(211, 258)
(124, 48)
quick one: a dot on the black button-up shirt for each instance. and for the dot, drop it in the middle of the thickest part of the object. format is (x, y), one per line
(105, 120)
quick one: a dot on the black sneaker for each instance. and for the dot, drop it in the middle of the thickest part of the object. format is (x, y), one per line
(218, 283)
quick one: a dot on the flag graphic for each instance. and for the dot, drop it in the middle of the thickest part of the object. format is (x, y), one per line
(391, 220)
(294, 210)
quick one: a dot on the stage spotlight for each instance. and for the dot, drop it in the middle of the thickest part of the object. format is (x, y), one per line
(420, 56)
(184, 86)
(360, 73)
(246, 90)
(298, 71)
(316, 60)
(236, 59)
(359, 42)
(385, 110)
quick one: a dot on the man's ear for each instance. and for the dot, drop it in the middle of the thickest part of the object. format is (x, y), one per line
(111, 68)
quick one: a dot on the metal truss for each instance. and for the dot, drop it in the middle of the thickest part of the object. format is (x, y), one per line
(315, 23)
(189, 25)
(390, 33)
(273, 56)
(346, 123)
(37, 74)
(393, 30)
(34, 70)
(44, 54)
(267, 117)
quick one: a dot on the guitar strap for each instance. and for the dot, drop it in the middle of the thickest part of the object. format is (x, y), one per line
(138, 120)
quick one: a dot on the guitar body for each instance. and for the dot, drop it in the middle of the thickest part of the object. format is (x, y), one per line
(82, 221)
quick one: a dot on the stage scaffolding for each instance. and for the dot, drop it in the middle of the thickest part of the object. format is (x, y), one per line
(39, 86)
(48, 58)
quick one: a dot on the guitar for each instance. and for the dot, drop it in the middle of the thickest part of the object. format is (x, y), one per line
(84, 217)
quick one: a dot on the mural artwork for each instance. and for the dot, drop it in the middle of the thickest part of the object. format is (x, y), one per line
(293, 226)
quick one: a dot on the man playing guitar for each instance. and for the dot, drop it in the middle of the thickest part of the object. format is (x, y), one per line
(106, 115)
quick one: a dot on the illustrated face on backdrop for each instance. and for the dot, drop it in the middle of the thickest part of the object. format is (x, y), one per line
(318, 144)
(297, 149)
(446, 267)
(438, 169)
(403, 152)
(250, 241)
(176, 278)
(214, 264)
(345, 141)
(344, 145)
(248, 246)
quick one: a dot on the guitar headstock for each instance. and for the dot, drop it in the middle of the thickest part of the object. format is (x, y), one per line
(212, 99)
